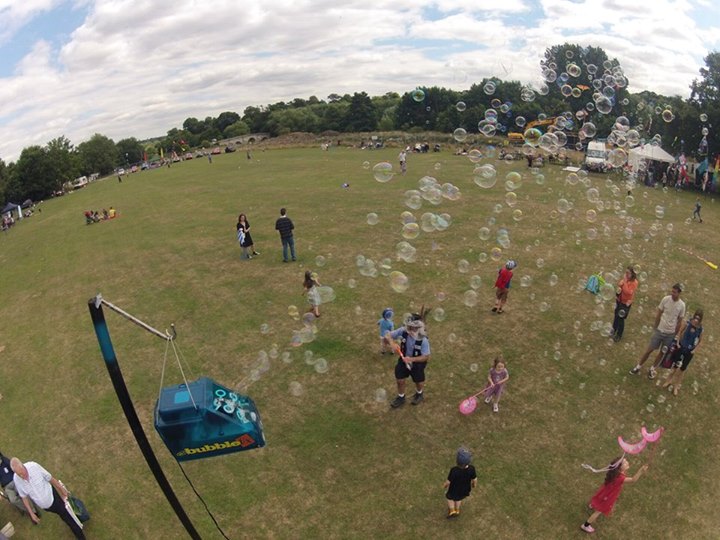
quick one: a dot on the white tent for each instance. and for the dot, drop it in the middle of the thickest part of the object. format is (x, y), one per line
(647, 152)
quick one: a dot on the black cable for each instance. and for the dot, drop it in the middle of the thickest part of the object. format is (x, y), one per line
(202, 501)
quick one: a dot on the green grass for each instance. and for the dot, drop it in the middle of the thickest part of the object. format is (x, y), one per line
(339, 464)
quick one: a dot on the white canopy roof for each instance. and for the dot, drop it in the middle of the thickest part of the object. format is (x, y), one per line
(648, 151)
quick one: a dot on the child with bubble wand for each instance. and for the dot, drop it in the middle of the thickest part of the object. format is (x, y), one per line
(497, 377)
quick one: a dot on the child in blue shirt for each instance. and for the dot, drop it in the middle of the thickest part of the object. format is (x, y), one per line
(386, 325)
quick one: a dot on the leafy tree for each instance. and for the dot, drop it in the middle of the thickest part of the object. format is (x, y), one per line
(706, 90)
(99, 154)
(194, 126)
(237, 129)
(64, 159)
(224, 120)
(361, 115)
(255, 118)
(129, 152)
(35, 173)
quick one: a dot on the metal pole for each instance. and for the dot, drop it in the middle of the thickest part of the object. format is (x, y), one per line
(103, 336)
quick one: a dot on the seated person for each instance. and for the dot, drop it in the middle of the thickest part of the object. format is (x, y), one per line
(105, 214)
(111, 212)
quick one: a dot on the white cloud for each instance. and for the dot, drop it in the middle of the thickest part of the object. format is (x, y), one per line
(136, 68)
(15, 14)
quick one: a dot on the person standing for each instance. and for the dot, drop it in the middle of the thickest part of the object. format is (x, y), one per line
(34, 483)
(689, 339)
(497, 377)
(247, 242)
(414, 355)
(502, 286)
(7, 481)
(460, 481)
(285, 227)
(668, 320)
(627, 285)
(402, 157)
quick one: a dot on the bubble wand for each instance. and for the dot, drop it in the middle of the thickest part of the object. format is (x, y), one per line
(398, 351)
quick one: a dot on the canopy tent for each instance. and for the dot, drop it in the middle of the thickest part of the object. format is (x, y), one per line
(12, 207)
(27, 204)
(648, 152)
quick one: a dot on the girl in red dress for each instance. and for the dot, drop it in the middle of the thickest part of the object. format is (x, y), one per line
(604, 500)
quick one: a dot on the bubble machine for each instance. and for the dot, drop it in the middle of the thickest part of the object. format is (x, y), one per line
(203, 419)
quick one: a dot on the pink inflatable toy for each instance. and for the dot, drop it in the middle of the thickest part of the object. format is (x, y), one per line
(634, 448)
(652, 437)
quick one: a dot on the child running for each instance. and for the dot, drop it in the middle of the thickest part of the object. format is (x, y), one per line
(310, 285)
(502, 285)
(696, 211)
(386, 325)
(460, 481)
(605, 497)
(497, 377)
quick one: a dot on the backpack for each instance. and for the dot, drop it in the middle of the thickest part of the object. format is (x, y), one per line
(594, 283)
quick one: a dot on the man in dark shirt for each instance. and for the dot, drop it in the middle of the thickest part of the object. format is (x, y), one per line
(284, 226)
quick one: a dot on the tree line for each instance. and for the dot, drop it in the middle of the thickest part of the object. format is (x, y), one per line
(574, 79)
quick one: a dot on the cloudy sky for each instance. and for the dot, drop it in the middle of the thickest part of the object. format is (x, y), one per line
(138, 68)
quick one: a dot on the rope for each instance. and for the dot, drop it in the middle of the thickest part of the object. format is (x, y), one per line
(182, 372)
(613, 465)
(217, 525)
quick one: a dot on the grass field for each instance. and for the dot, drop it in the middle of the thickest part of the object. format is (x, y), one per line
(338, 462)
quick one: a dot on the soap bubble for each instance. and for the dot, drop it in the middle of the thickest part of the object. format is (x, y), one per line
(511, 198)
(525, 281)
(485, 176)
(399, 281)
(326, 294)
(463, 266)
(517, 214)
(703, 117)
(351, 283)
(668, 116)
(607, 291)
(520, 121)
(293, 311)
(380, 395)
(659, 212)
(410, 231)
(591, 216)
(372, 218)
(460, 134)
(438, 314)
(418, 95)
(489, 88)
(563, 206)
(296, 389)
(532, 136)
(474, 367)
(495, 253)
(475, 282)
(470, 298)
(475, 155)
(321, 365)
(460, 106)
(264, 328)
(484, 233)
(366, 165)
(320, 261)
(383, 172)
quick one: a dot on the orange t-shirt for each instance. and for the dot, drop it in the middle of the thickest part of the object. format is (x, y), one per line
(627, 291)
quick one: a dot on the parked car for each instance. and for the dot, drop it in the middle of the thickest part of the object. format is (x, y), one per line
(229, 148)
(188, 155)
(216, 150)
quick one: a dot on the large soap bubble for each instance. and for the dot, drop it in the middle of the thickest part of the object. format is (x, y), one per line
(485, 176)
(383, 172)
(399, 281)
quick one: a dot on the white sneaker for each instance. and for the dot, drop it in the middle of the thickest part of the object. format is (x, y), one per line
(488, 399)
(652, 373)
(495, 407)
